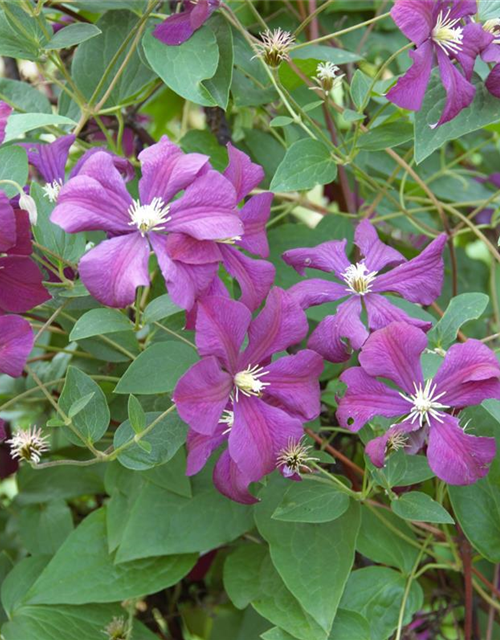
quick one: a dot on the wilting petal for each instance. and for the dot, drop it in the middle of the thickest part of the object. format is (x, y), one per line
(329, 337)
(179, 27)
(243, 174)
(280, 324)
(166, 170)
(207, 210)
(329, 256)
(201, 395)
(21, 286)
(420, 279)
(459, 91)
(455, 456)
(376, 449)
(493, 81)
(255, 277)
(114, 269)
(366, 398)
(377, 255)
(8, 233)
(5, 111)
(221, 326)
(123, 165)
(200, 448)
(381, 312)
(186, 249)
(95, 199)
(394, 353)
(294, 381)
(50, 159)
(315, 291)
(16, 343)
(254, 216)
(475, 41)
(259, 432)
(409, 90)
(414, 18)
(231, 482)
(469, 374)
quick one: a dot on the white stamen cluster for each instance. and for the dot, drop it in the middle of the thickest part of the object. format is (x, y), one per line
(295, 457)
(149, 217)
(275, 46)
(227, 418)
(397, 440)
(359, 280)
(493, 26)
(51, 190)
(28, 444)
(117, 629)
(425, 403)
(248, 381)
(446, 34)
(232, 240)
(326, 76)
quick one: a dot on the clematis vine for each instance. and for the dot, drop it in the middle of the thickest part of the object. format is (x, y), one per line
(436, 27)
(426, 409)
(361, 285)
(257, 405)
(179, 27)
(97, 199)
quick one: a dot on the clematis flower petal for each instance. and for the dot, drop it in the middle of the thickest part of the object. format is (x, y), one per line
(394, 353)
(8, 232)
(16, 343)
(329, 337)
(23, 245)
(114, 269)
(254, 215)
(381, 312)
(414, 18)
(96, 199)
(21, 286)
(5, 111)
(259, 432)
(419, 280)
(186, 249)
(255, 277)
(377, 255)
(200, 447)
(179, 27)
(50, 159)
(166, 170)
(469, 374)
(221, 326)
(231, 482)
(243, 174)
(366, 398)
(293, 381)
(376, 449)
(329, 256)
(455, 456)
(409, 90)
(459, 91)
(280, 324)
(475, 41)
(201, 395)
(207, 210)
(493, 81)
(123, 165)
(315, 291)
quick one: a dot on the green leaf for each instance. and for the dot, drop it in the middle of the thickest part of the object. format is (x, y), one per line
(347, 625)
(93, 58)
(13, 166)
(420, 507)
(20, 43)
(184, 68)
(43, 485)
(378, 541)
(377, 594)
(136, 414)
(163, 441)
(386, 136)
(44, 527)
(98, 322)
(281, 121)
(93, 420)
(218, 86)
(20, 579)
(83, 571)
(160, 308)
(323, 53)
(23, 97)
(317, 590)
(20, 123)
(157, 369)
(360, 86)
(306, 164)
(311, 502)
(462, 308)
(402, 470)
(71, 35)
(80, 404)
(203, 141)
(484, 110)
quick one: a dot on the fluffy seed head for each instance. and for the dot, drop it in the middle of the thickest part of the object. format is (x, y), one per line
(275, 46)
(326, 76)
(294, 458)
(28, 445)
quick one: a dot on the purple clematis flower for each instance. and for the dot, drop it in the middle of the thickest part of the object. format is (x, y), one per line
(21, 286)
(417, 280)
(96, 199)
(258, 406)
(468, 375)
(16, 343)
(437, 29)
(5, 111)
(179, 27)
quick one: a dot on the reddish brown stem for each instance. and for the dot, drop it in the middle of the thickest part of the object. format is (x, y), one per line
(336, 454)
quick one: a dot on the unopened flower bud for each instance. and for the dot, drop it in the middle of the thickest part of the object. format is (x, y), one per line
(27, 203)
(275, 47)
